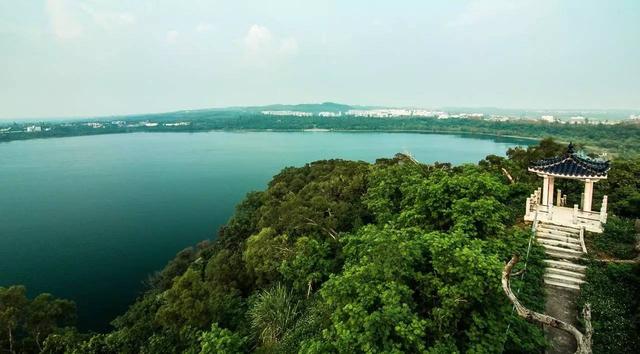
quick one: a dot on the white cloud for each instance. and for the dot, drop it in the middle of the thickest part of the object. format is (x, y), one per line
(262, 47)
(70, 19)
(258, 38)
(172, 36)
(205, 27)
(64, 20)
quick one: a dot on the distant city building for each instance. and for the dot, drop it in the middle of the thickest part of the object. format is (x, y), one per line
(496, 118)
(424, 113)
(94, 125)
(150, 124)
(577, 120)
(177, 124)
(330, 114)
(549, 119)
(33, 129)
(379, 113)
(287, 113)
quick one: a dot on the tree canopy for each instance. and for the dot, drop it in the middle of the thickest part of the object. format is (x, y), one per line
(343, 257)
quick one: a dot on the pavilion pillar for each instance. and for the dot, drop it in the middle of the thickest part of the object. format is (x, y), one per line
(545, 190)
(588, 194)
(550, 193)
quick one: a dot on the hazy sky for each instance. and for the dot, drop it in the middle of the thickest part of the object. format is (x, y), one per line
(63, 58)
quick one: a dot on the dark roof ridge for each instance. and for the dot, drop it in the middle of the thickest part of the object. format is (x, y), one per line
(572, 164)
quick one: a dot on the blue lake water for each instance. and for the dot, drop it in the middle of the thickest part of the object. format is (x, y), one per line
(88, 218)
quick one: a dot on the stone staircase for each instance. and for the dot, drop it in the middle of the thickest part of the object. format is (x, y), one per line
(562, 246)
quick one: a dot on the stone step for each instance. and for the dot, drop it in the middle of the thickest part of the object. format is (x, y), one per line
(558, 234)
(565, 265)
(562, 250)
(566, 273)
(556, 243)
(562, 285)
(562, 255)
(572, 239)
(560, 228)
(558, 231)
(563, 278)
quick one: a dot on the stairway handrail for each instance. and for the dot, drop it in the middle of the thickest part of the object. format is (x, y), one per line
(534, 226)
(584, 247)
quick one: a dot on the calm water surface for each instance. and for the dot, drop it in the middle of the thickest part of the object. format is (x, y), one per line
(88, 218)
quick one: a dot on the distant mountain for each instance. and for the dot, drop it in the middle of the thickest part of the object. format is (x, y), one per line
(610, 114)
(304, 107)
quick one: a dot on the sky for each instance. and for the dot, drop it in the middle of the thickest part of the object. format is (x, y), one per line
(73, 58)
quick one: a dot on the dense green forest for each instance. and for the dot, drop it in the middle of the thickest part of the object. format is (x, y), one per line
(621, 139)
(351, 257)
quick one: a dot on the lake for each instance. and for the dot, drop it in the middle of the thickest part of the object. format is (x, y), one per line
(88, 218)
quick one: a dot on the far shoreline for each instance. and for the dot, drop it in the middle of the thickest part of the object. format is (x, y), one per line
(305, 130)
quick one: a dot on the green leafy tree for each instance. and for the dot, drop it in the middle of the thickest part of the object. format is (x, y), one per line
(222, 341)
(13, 303)
(310, 265)
(25, 324)
(45, 314)
(194, 302)
(372, 302)
(263, 254)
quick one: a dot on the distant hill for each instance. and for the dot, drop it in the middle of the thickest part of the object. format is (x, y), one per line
(209, 113)
(303, 107)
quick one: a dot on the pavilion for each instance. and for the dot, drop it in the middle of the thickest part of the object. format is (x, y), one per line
(571, 165)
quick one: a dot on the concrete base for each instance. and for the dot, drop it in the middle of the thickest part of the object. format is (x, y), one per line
(561, 304)
(564, 217)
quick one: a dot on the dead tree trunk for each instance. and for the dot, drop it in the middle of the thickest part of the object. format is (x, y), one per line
(508, 175)
(583, 340)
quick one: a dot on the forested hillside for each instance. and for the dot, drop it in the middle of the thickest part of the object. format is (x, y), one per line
(350, 257)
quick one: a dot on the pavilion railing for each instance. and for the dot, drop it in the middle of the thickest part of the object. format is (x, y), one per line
(532, 202)
(603, 210)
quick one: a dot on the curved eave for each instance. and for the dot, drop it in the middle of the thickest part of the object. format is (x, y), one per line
(581, 177)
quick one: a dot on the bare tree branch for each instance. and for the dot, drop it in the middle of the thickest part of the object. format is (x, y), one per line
(506, 173)
(624, 261)
(583, 340)
(331, 232)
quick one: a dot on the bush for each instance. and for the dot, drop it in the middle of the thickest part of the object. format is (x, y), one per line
(611, 290)
(222, 341)
(618, 238)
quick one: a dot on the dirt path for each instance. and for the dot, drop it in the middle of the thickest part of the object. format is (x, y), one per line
(561, 304)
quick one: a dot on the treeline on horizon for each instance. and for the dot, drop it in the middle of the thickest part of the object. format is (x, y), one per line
(351, 257)
(621, 139)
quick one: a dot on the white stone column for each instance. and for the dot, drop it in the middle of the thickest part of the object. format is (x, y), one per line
(550, 194)
(545, 190)
(588, 194)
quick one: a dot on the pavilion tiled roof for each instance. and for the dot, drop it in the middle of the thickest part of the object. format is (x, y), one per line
(572, 164)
